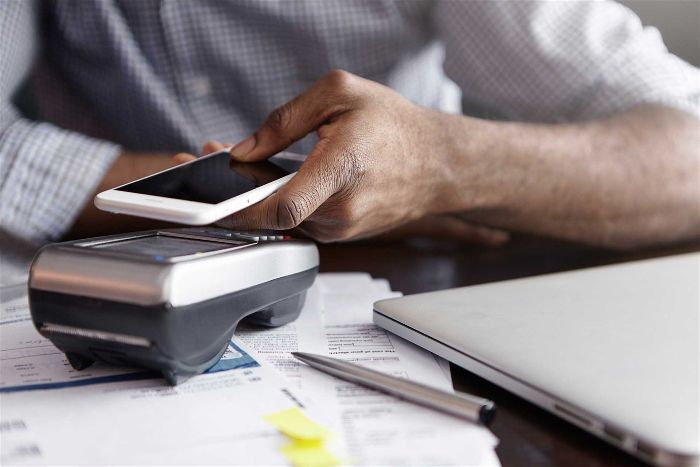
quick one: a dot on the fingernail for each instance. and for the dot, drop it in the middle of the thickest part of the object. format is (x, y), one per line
(240, 150)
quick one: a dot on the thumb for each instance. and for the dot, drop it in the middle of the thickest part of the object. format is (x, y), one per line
(285, 209)
(282, 127)
(292, 121)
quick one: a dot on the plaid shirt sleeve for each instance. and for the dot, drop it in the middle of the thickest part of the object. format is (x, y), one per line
(552, 61)
(46, 174)
(528, 60)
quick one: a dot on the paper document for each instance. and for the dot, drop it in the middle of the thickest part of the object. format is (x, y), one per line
(30, 361)
(52, 414)
(376, 429)
(210, 419)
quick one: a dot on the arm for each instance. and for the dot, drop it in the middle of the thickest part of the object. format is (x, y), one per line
(623, 163)
(381, 161)
(620, 169)
(48, 176)
(626, 181)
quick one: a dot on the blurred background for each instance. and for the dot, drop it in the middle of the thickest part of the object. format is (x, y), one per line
(678, 21)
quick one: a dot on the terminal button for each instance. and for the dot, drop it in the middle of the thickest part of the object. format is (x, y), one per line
(261, 236)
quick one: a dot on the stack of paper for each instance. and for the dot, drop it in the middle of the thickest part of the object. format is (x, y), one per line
(374, 428)
(52, 414)
(115, 416)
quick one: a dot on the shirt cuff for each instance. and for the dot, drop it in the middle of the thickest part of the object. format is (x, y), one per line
(49, 175)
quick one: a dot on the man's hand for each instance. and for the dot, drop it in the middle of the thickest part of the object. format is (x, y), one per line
(445, 227)
(623, 181)
(377, 164)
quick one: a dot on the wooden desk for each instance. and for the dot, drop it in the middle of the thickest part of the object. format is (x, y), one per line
(528, 435)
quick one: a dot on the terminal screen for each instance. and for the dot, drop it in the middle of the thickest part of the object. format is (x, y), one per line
(164, 247)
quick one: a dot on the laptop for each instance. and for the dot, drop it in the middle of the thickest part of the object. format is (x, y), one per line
(613, 349)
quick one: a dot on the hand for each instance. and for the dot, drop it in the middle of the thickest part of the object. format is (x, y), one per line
(443, 227)
(375, 167)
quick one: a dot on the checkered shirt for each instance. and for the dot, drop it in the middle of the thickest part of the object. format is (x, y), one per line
(167, 75)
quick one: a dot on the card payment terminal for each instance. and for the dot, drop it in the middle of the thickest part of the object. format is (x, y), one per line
(167, 300)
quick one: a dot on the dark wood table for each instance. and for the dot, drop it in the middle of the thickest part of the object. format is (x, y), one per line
(528, 435)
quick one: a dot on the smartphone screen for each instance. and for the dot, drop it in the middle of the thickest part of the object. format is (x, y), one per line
(212, 179)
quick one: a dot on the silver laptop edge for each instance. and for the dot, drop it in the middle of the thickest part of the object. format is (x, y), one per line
(645, 449)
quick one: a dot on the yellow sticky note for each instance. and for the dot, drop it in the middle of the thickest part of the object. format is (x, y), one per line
(309, 454)
(295, 424)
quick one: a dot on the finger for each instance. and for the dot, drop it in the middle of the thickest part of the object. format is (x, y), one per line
(212, 146)
(329, 96)
(183, 157)
(477, 234)
(311, 186)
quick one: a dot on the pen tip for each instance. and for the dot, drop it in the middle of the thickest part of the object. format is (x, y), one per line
(304, 357)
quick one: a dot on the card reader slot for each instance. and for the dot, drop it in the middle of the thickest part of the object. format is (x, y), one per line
(95, 334)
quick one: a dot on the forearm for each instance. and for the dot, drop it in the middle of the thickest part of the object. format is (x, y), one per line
(127, 167)
(627, 181)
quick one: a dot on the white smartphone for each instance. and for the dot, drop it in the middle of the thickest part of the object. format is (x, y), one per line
(202, 191)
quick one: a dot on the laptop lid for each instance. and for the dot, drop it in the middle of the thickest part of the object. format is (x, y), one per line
(612, 349)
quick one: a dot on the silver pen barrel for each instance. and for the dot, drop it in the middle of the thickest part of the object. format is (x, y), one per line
(462, 405)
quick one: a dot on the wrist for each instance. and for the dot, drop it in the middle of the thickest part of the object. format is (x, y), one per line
(472, 172)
